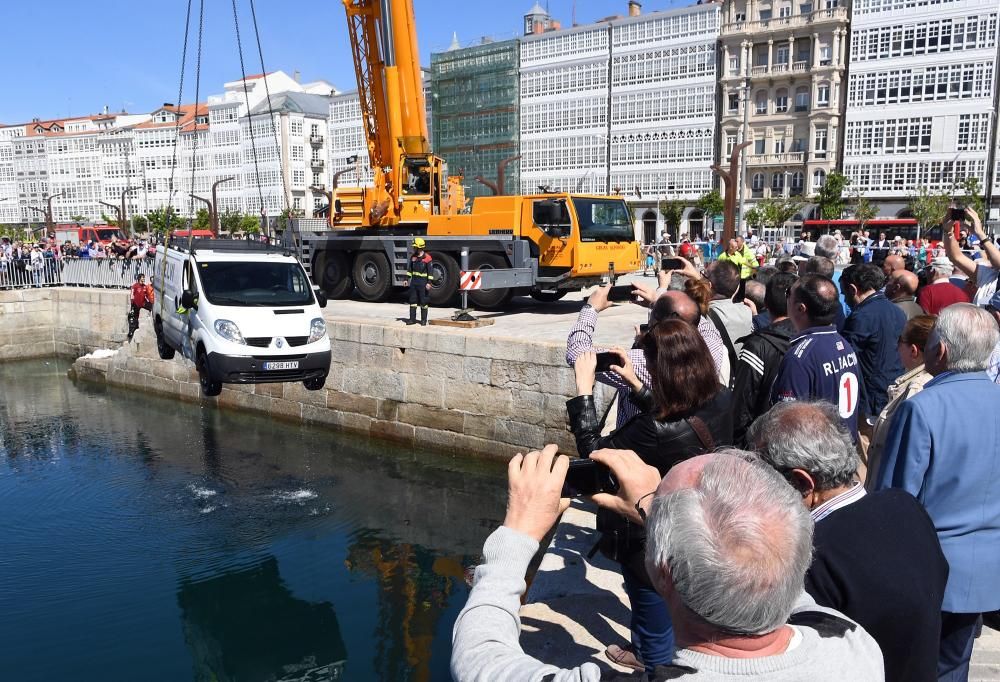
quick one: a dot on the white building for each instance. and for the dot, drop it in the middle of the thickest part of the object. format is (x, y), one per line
(920, 101)
(624, 105)
(9, 211)
(347, 140)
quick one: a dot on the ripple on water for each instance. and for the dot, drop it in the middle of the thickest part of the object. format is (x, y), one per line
(303, 495)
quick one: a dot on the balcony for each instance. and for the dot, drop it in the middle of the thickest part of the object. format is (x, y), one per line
(819, 16)
(317, 163)
(316, 139)
(784, 159)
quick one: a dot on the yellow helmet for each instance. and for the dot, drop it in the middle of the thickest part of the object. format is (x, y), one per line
(419, 243)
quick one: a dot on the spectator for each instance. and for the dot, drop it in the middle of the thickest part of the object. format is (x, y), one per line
(686, 412)
(821, 265)
(893, 263)
(676, 304)
(873, 330)
(911, 346)
(901, 289)
(993, 369)
(820, 364)
(876, 557)
(765, 273)
(760, 358)
(733, 320)
(789, 266)
(754, 294)
(880, 251)
(940, 293)
(982, 275)
(734, 588)
(938, 452)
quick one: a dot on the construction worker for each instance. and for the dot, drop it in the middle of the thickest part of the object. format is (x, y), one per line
(420, 280)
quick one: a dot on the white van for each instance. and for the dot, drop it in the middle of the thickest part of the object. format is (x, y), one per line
(243, 312)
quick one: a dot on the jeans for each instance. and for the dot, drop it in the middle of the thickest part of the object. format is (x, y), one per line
(958, 634)
(652, 630)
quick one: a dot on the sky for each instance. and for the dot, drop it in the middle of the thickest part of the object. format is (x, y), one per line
(125, 54)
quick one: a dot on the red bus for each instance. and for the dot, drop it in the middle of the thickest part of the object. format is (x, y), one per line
(893, 227)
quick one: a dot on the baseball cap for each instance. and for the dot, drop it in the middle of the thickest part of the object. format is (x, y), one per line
(943, 265)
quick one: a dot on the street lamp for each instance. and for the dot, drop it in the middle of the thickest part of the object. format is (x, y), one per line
(124, 213)
(334, 181)
(213, 211)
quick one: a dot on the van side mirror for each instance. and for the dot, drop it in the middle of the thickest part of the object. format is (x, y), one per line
(188, 300)
(321, 299)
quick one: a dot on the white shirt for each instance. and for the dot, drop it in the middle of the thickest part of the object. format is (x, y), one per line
(986, 283)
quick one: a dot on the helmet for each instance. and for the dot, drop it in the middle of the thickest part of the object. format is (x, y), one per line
(419, 243)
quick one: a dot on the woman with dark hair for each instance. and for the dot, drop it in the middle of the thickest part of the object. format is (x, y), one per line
(686, 413)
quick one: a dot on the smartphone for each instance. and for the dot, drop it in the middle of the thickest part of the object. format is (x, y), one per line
(606, 359)
(643, 328)
(588, 477)
(671, 264)
(958, 213)
(620, 293)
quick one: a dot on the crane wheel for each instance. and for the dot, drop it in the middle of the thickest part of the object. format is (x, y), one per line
(489, 299)
(372, 275)
(444, 269)
(548, 296)
(333, 274)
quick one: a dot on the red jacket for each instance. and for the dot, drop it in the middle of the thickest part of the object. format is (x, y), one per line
(936, 297)
(138, 295)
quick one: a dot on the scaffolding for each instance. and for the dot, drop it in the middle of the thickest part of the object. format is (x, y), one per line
(474, 108)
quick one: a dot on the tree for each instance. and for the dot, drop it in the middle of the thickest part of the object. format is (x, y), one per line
(202, 220)
(830, 198)
(158, 219)
(108, 220)
(140, 223)
(77, 218)
(711, 203)
(754, 217)
(778, 211)
(229, 221)
(973, 197)
(864, 210)
(673, 213)
(928, 209)
(250, 224)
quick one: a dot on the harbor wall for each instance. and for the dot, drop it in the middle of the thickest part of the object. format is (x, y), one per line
(449, 389)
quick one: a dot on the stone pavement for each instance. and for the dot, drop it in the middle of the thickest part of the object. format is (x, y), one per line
(576, 607)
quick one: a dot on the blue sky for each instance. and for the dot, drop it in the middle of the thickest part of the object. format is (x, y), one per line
(80, 56)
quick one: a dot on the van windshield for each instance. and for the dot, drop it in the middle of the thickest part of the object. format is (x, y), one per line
(605, 220)
(254, 284)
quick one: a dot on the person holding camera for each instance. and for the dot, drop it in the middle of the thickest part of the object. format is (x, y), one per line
(686, 412)
(982, 275)
(729, 545)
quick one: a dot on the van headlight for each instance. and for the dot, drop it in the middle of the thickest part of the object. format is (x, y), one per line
(317, 330)
(229, 331)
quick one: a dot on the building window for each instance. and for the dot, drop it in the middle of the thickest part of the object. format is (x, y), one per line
(779, 146)
(740, 17)
(734, 101)
(823, 95)
(758, 146)
(820, 147)
(734, 65)
(781, 101)
(805, 8)
(778, 181)
(798, 180)
(317, 179)
(765, 15)
(730, 143)
(757, 183)
(785, 11)
(832, 4)
(802, 99)
(760, 103)
(819, 178)
(825, 53)
(781, 55)
(297, 203)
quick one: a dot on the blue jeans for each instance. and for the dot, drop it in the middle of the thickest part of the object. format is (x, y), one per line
(652, 630)
(958, 634)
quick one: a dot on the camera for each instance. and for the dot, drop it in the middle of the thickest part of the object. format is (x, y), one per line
(671, 264)
(606, 359)
(588, 477)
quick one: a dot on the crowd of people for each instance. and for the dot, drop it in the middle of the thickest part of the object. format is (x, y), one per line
(42, 263)
(805, 463)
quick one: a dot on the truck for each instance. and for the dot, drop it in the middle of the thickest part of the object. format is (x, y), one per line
(244, 312)
(72, 232)
(544, 245)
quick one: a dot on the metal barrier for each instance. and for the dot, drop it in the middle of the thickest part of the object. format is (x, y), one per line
(106, 273)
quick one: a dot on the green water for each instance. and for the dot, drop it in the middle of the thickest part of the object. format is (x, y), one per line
(147, 539)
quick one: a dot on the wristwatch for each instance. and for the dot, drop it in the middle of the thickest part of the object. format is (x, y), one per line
(986, 239)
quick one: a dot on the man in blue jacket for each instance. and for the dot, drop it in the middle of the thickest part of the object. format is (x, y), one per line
(950, 465)
(873, 329)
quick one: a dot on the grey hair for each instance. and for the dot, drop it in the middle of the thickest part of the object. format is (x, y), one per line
(810, 436)
(736, 545)
(970, 334)
(826, 246)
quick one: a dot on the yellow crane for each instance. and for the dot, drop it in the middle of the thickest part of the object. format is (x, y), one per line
(543, 245)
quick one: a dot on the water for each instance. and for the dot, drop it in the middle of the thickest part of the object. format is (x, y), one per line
(147, 539)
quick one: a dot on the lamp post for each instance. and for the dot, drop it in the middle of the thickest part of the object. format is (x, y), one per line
(207, 203)
(124, 212)
(49, 223)
(334, 181)
(117, 209)
(213, 211)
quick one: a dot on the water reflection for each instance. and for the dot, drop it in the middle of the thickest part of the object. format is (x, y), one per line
(209, 545)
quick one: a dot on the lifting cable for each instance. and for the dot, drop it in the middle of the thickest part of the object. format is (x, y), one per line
(270, 109)
(197, 96)
(246, 95)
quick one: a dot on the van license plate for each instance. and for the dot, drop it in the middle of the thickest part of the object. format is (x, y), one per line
(281, 365)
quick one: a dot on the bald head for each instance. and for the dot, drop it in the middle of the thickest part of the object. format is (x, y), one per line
(902, 283)
(893, 264)
(676, 304)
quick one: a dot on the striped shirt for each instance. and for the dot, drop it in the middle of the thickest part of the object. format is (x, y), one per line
(856, 492)
(581, 340)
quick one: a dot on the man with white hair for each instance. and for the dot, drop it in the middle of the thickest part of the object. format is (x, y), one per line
(950, 465)
(728, 544)
(940, 293)
(877, 558)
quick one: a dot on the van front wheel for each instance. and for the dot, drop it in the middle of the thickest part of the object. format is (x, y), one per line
(314, 383)
(209, 388)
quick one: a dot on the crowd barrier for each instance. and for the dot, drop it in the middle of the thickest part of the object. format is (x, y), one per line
(105, 273)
